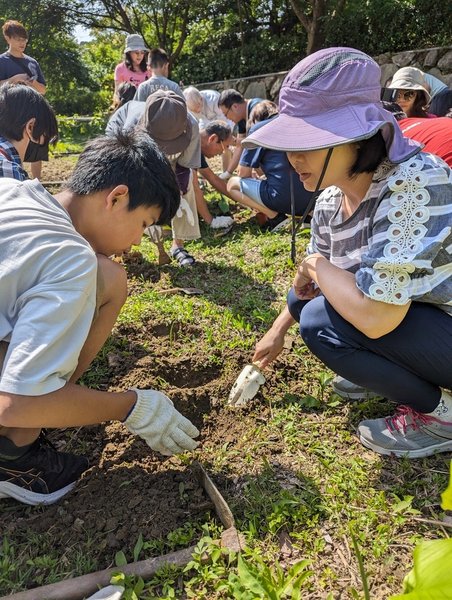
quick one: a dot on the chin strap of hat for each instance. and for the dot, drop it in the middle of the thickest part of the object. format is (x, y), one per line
(315, 194)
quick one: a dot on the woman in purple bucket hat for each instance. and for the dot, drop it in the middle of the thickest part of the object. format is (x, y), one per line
(373, 297)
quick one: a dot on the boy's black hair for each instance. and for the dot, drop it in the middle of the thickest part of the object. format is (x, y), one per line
(371, 153)
(19, 104)
(132, 159)
(157, 58)
(229, 97)
(129, 63)
(218, 128)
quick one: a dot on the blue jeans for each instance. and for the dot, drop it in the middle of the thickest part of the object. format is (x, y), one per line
(407, 365)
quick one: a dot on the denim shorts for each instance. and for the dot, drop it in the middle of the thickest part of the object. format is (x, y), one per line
(251, 188)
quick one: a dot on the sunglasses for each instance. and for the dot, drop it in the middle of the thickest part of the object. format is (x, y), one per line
(392, 95)
(405, 94)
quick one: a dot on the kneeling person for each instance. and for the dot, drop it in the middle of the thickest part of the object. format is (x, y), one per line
(60, 296)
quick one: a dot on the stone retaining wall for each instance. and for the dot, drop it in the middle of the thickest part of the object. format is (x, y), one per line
(437, 61)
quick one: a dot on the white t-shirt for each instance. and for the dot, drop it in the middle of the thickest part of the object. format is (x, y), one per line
(47, 289)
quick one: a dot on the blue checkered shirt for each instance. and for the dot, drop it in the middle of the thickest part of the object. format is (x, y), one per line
(10, 163)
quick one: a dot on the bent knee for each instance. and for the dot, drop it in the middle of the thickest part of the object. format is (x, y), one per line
(111, 281)
(313, 321)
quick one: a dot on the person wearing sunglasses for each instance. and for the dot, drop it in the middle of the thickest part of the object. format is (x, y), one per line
(25, 116)
(411, 92)
(372, 297)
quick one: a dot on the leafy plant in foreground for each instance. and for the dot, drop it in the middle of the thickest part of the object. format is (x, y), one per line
(430, 577)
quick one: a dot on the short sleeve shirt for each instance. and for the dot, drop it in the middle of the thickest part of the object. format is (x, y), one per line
(155, 83)
(47, 290)
(14, 66)
(275, 189)
(398, 243)
(124, 74)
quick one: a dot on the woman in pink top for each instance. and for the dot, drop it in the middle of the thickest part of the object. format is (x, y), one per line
(134, 68)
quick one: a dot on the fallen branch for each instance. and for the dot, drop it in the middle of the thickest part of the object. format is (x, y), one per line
(80, 587)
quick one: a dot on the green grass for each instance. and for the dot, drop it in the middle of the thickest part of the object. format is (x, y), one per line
(308, 498)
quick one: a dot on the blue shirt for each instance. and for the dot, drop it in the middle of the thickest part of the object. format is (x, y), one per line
(10, 163)
(13, 66)
(275, 190)
(250, 104)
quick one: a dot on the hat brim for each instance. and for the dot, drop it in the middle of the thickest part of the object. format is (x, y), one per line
(140, 49)
(402, 84)
(177, 145)
(332, 128)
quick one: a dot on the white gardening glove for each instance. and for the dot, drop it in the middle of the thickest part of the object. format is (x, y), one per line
(185, 207)
(163, 428)
(225, 175)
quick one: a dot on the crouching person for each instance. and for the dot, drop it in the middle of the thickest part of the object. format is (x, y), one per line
(60, 296)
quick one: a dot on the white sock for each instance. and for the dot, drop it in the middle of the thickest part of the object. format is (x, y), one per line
(444, 409)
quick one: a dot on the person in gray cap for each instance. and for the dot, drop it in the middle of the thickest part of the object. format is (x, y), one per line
(165, 118)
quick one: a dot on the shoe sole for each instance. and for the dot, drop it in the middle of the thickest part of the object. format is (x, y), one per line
(9, 490)
(356, 395)
(420, 453)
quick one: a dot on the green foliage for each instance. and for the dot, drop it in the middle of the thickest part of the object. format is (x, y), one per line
(430, 577)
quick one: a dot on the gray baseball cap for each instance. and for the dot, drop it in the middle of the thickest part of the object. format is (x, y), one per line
(166, 120)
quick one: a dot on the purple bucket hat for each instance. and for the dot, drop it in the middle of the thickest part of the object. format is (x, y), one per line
(332, 97)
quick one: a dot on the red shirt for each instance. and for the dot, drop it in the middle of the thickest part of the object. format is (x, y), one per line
(435, 134)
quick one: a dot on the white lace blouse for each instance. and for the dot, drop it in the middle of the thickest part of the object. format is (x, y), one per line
(398, 243)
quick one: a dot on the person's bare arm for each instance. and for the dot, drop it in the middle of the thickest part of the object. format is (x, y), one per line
(39, 87)
(19, 78)
(270, 346)
(245, 172)
(236, 154)
(371, 317)
(216, 182)
(70, 406)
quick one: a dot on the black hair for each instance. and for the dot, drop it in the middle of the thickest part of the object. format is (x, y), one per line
(218, 128)
(19, 104)
(419, 108)
(229, 97)
(261, 112)
(132, 159)
(129, 63)
(126, 92)
(157, 58)
(371, 153)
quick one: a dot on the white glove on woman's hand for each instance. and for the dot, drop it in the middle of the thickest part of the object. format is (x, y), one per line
(164, 429)
(225, 175)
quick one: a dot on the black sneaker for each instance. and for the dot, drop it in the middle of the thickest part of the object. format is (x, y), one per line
(42, 475)
(276, 223)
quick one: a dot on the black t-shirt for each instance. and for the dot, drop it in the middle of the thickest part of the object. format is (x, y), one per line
(14, 66)
(204, 164)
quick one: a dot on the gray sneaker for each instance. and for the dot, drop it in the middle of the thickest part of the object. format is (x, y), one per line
(346, 389)
(407, 433)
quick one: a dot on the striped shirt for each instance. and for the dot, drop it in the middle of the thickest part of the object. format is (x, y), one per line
(10, 163)
(398, 243)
